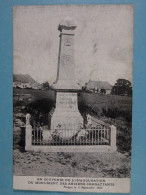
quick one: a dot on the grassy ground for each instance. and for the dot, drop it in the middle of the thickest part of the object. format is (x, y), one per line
(91, 100)
(96, 165)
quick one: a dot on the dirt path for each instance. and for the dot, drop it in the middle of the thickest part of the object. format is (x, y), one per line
(71, 164)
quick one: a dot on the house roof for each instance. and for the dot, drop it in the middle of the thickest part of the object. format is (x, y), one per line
(98, 85)
(24, 79)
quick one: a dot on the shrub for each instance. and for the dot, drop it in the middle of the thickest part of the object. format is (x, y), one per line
(115, 113)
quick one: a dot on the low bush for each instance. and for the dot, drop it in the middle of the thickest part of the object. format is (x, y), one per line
(116, 113)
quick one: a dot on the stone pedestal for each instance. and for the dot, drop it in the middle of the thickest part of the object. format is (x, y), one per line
(66, 120)
(28, 137)
(113, 138)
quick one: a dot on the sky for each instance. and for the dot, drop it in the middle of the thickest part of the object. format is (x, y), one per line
(103, 41)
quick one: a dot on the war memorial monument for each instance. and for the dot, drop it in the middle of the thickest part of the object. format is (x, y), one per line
(68, 130)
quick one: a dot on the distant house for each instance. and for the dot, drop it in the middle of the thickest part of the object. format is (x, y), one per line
(102, 87)
(17, 84)
(25, 81)
(37, 86)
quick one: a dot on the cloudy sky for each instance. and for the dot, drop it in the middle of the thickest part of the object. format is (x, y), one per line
(103, 41)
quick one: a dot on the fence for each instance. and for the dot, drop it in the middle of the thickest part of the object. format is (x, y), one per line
(98, 136)
(84, 137)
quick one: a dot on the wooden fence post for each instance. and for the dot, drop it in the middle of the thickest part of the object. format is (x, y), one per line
(113, 138)
(28, 133)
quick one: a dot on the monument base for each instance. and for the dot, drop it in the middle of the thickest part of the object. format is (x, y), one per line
(66, 120)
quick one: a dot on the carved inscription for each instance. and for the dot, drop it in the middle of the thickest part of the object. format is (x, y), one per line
(66, 100)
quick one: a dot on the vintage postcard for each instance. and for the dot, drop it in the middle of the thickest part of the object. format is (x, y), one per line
(72, 97)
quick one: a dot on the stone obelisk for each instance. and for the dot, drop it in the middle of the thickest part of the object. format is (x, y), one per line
(66, 120)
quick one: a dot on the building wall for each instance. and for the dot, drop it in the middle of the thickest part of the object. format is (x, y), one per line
(21, 85)
(108, 91)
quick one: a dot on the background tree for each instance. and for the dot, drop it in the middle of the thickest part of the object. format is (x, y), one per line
(122, 87)
(46, 85)
(103, 91)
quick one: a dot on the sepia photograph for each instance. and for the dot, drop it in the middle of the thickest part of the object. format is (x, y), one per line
(72, 97)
